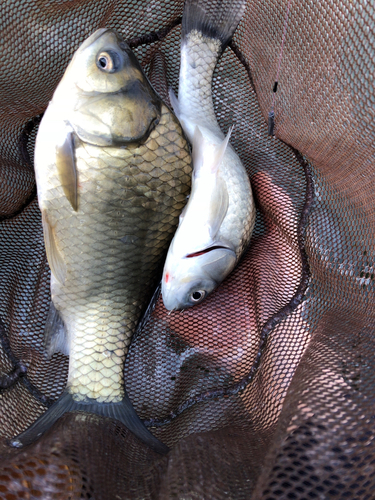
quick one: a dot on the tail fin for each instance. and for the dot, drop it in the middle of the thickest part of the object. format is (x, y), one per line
(122, 411)
(213, 18)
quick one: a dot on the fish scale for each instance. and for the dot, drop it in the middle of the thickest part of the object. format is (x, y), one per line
(199, 56)
(115, 187)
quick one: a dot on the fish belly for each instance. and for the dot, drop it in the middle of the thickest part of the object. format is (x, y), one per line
(129, 201)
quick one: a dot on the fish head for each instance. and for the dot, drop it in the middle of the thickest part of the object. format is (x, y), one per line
(187, 281)
(105, 95)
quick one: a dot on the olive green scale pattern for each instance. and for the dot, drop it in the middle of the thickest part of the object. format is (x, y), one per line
(129, 201)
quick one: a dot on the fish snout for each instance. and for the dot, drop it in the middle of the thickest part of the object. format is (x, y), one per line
(195, 276)
(187, 291)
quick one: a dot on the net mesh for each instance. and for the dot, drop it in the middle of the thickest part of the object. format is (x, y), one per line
(265, 390)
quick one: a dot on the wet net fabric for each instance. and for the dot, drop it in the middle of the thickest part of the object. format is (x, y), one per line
(265, 390)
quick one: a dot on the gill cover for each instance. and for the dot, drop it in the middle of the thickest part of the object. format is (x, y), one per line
(194, 278)
(112, 102)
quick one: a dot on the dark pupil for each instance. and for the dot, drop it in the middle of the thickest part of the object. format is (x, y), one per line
(103, 62)
(197, 295)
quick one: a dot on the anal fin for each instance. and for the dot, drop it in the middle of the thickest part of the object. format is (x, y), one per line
(150, 308)
(122, 411)
(55, 333)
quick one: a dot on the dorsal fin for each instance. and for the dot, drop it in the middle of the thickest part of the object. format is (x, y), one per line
(220, 151)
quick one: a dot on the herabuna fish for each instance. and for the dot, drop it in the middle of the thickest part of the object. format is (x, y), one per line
(216, 225)
(113, 171)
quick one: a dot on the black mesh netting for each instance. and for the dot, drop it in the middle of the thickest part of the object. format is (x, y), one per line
(266, 390)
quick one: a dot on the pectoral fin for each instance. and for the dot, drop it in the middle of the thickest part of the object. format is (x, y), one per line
(174, 102)
(218, 207)
(219, 263)
(182, 215)
(66, 168)
(55, 260)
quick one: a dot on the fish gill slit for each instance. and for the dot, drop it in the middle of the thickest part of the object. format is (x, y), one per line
(202, 252)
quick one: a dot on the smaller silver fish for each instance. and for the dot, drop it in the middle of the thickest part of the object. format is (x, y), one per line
(217, 222)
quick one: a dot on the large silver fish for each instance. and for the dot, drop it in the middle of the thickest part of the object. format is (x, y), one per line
(216, 225)
(113, 172)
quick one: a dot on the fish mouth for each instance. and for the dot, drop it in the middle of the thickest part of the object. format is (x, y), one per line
(206, 250)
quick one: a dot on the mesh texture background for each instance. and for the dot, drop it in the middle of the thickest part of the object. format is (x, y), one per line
(266, 390)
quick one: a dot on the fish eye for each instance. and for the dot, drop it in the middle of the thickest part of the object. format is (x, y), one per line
(108, 61)
(197, 296)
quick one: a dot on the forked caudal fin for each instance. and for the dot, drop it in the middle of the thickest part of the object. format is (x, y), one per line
(213, 18)
(122, 411)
